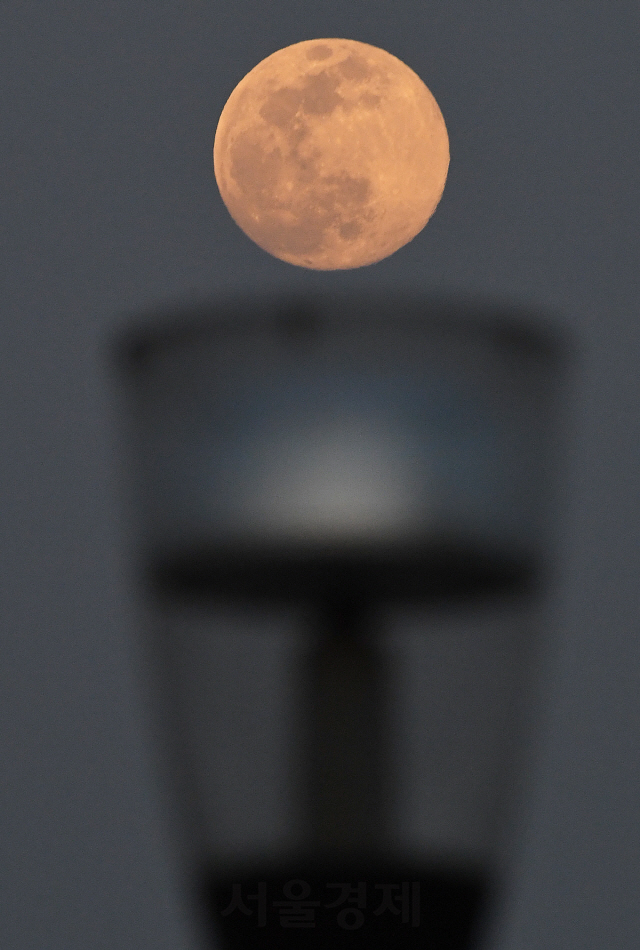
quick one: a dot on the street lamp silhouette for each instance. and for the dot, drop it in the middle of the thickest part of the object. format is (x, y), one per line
(341, 454)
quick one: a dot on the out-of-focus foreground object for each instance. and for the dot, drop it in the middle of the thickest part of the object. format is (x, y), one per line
(303, 470)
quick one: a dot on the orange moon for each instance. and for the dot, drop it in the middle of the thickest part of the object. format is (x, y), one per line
(331, 154)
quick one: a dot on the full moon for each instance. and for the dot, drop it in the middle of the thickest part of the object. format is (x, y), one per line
(331, 154)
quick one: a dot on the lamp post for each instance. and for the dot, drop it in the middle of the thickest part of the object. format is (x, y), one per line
(340, 454)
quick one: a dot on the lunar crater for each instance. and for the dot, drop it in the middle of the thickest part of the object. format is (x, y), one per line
(319, 52)
(355, 67)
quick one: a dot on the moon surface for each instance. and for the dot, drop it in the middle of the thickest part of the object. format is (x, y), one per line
(331, 154)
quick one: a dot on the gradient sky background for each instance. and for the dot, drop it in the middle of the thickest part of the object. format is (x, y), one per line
(110, 205)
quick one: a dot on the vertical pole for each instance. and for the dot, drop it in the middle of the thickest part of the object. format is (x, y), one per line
(347, 769)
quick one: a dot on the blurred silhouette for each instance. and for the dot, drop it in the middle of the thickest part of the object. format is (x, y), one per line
(339, 455)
